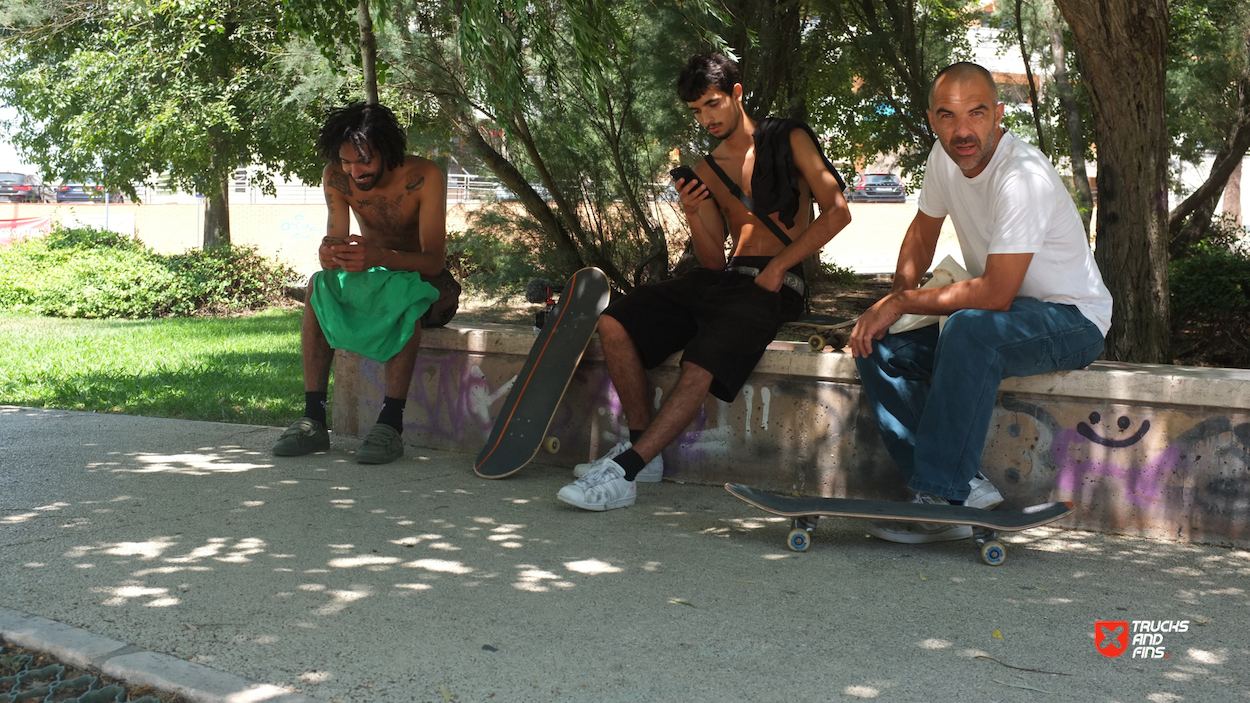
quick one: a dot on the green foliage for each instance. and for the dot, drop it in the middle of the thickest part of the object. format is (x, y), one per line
(871, 65)
(94, 274)
(1212, 283)
(838, 275)
(115, 92)
(500, 253)
(1207, 53)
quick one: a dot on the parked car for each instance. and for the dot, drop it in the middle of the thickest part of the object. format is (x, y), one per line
(876, 188)
(80, 193)
(21, 188)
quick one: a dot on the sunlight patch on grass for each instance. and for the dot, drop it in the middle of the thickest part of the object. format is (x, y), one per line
(235, 369)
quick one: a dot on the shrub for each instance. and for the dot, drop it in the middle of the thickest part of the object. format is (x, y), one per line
(500, 254)
(1210, 300)
(85, 272)
(839, 275)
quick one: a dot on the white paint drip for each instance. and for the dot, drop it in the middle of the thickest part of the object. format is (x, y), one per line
(480, 398)
(765, 398)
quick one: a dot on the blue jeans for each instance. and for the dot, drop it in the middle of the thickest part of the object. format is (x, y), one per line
(933, 396)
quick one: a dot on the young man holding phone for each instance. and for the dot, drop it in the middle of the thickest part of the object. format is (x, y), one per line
(377, 288)
(761, 179)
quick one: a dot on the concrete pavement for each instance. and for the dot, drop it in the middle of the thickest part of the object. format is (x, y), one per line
(416, 581)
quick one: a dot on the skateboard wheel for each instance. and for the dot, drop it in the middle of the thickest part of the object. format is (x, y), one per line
(799, 540)
(993, 553)
(816, 343)
(551, 445)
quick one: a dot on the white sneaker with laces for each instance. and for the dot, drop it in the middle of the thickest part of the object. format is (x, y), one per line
(653, 472)
(920, 532)
(604, 488)
(984, 495)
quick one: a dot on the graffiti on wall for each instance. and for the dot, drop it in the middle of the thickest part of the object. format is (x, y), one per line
(1157, 466)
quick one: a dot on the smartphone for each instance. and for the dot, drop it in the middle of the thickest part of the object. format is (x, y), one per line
(330, 241)
(685, 173)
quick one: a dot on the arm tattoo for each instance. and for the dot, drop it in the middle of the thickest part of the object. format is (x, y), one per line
(339, 182)
(415, 181)
(330, 203)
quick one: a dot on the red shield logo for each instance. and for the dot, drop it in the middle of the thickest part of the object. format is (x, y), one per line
(1111, 637)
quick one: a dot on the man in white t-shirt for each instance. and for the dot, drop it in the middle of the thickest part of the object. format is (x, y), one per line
(1036, 302)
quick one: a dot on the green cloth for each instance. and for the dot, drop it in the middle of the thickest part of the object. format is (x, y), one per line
(372, 313)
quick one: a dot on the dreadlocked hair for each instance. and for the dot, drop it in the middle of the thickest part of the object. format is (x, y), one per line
(365, 127)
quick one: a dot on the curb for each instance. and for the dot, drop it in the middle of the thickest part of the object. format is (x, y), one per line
(89, 651)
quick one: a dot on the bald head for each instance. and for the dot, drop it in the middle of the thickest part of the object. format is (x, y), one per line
(959, 73)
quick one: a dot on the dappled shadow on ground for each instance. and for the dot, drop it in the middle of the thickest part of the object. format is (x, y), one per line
(232, 558)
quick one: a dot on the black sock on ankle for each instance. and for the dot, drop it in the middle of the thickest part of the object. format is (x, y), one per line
(635, 435)
(315, 405)
(631, 462)
(393, 412)
(952, 501)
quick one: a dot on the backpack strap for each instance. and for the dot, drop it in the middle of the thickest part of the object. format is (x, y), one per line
(736, 190)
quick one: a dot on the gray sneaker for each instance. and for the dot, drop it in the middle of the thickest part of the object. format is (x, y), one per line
(381, 446)
(920, 532)
(304, 436)
(653, 472)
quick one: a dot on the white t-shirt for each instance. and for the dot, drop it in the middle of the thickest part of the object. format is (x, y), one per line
(1019, 205)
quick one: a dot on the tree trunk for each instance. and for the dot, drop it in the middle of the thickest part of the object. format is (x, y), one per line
(1122, 49)
(1028, 72)
(1190, 222)
(1228, 158)
(1232, 194)
(368, 52)
(1072, 116)
(217, 215)
(217, 192)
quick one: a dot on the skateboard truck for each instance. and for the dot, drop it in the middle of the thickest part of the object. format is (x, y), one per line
(540, 317)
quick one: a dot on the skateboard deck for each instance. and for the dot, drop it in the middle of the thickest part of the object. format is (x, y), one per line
(828, 330)
(805, 511)
(520, 429)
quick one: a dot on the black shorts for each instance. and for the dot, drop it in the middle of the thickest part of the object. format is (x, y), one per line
(722, 320)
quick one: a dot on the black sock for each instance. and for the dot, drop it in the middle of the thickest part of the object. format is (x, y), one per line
(952, 501)
(631, 462)
(393, 412)
(635, 435)
(315, 405)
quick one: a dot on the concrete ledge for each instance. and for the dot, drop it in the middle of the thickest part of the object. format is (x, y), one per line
(1160, 451)
(119, 660)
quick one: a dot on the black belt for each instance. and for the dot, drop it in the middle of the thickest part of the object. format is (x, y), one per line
(791, 281)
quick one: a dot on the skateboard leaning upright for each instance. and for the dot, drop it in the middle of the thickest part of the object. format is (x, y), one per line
(804, 512)
(520, 429)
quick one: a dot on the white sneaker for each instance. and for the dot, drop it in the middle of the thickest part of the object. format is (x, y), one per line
(605, 488)
(920, 532)
(653, 472)
(984, 495)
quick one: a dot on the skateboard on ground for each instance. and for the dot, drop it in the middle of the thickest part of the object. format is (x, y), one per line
(520, 429)
(804, 512)
(828, 330)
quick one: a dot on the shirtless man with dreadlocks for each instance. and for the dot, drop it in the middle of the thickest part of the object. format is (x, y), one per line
(377, 288)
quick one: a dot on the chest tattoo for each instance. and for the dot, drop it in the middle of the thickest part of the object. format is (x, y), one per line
(415, 181)
(382, 213)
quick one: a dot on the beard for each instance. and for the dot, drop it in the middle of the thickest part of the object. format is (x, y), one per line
(368, 183)
(984, 144)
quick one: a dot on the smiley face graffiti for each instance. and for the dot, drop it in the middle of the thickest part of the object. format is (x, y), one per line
(1087, 431)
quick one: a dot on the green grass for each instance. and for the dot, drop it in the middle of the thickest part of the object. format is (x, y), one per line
(240, 369)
